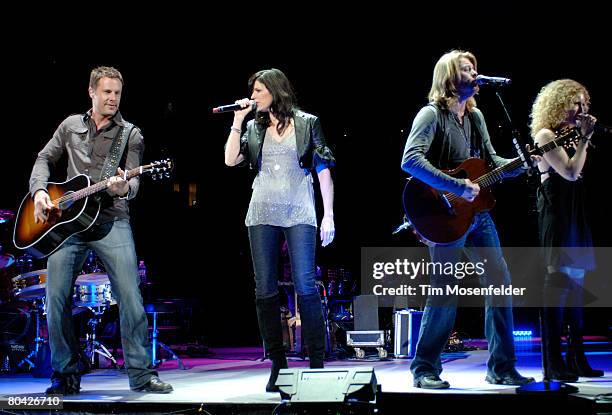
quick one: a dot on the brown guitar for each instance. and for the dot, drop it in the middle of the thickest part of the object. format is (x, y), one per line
(441, 218)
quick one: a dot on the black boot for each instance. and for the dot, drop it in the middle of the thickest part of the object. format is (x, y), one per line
(575, 357)
(552, 322)
(556, 289)
(64, 384)
(268, 316)
(313, 328)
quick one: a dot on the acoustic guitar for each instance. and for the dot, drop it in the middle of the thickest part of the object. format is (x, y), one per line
(76, 209)
(441, 218)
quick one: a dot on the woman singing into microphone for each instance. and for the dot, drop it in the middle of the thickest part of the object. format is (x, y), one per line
(564, 231)
(283, 144)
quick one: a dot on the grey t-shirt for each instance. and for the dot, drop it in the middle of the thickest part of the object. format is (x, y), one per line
(283, 194)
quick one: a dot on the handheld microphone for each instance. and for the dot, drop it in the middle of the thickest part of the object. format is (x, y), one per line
(231, 107)
(492, 80)
(598, 128)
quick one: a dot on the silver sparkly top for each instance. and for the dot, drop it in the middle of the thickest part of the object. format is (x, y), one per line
(282, 191)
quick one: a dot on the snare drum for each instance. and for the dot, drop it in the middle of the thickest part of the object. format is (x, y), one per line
(31, 285)
(92, 290)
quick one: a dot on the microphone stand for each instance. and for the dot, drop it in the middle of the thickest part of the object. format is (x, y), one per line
(517, 140)
(547, 385)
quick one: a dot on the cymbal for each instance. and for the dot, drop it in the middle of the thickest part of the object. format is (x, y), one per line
(6, 260)
(6, 215)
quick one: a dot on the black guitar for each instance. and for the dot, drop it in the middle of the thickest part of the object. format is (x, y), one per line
(75, 211)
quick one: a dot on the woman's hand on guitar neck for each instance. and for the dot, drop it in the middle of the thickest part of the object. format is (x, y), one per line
(471, 190)
(42, 206)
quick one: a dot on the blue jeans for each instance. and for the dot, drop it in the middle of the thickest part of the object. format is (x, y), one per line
(114, 245)
(265, 251)
(440, 311)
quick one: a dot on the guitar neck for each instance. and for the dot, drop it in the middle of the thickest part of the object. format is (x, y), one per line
(498, 173)
(95, 188)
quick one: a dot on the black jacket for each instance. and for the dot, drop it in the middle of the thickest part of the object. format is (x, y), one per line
(311, 147)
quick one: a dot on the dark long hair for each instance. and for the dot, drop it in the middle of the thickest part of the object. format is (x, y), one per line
(284, 102)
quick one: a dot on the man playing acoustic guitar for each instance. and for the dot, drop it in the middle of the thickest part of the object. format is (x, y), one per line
(96, 143)
(444, 134)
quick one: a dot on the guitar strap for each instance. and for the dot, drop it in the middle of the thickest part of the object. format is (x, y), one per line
(476, 142)
(438, 137)
(116, 151)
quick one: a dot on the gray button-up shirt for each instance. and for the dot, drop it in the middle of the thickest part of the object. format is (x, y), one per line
(87, 148)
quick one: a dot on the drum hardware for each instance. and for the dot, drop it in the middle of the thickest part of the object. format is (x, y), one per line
(25, 263)
(325, 310)
(154, 309)
(340, 283)
(92, 345)
(93, 292)
(15, 329)
(295, 323)
(37, 310)
(341, 310)
(92, 264)
(6, 264)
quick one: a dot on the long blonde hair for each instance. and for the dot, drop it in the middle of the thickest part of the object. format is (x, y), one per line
(550, 107)
(446, 77)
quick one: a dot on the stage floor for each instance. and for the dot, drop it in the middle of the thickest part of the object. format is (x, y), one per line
(238, 376)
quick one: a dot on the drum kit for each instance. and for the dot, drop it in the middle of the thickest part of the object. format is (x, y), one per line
(22, 302)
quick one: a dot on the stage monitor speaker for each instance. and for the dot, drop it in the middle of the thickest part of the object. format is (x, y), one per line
(366, 312)
(343, 384)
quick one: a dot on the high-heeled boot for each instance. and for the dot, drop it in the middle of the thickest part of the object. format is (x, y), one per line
(268, 317)
(575, 357)
(313, 328)
(552, 322)
(556, 289)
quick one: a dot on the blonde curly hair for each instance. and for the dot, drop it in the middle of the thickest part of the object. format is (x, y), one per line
(446, 77)
(552, 103)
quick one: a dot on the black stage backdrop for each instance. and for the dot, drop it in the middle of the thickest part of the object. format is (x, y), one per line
(365, 77)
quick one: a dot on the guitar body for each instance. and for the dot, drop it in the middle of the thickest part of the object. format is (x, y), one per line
(42, 239)
(437, 220)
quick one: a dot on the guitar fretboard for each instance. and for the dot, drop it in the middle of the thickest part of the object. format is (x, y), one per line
(497, 174)
(95, 188)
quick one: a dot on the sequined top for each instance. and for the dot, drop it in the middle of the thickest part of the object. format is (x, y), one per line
(283, 194)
